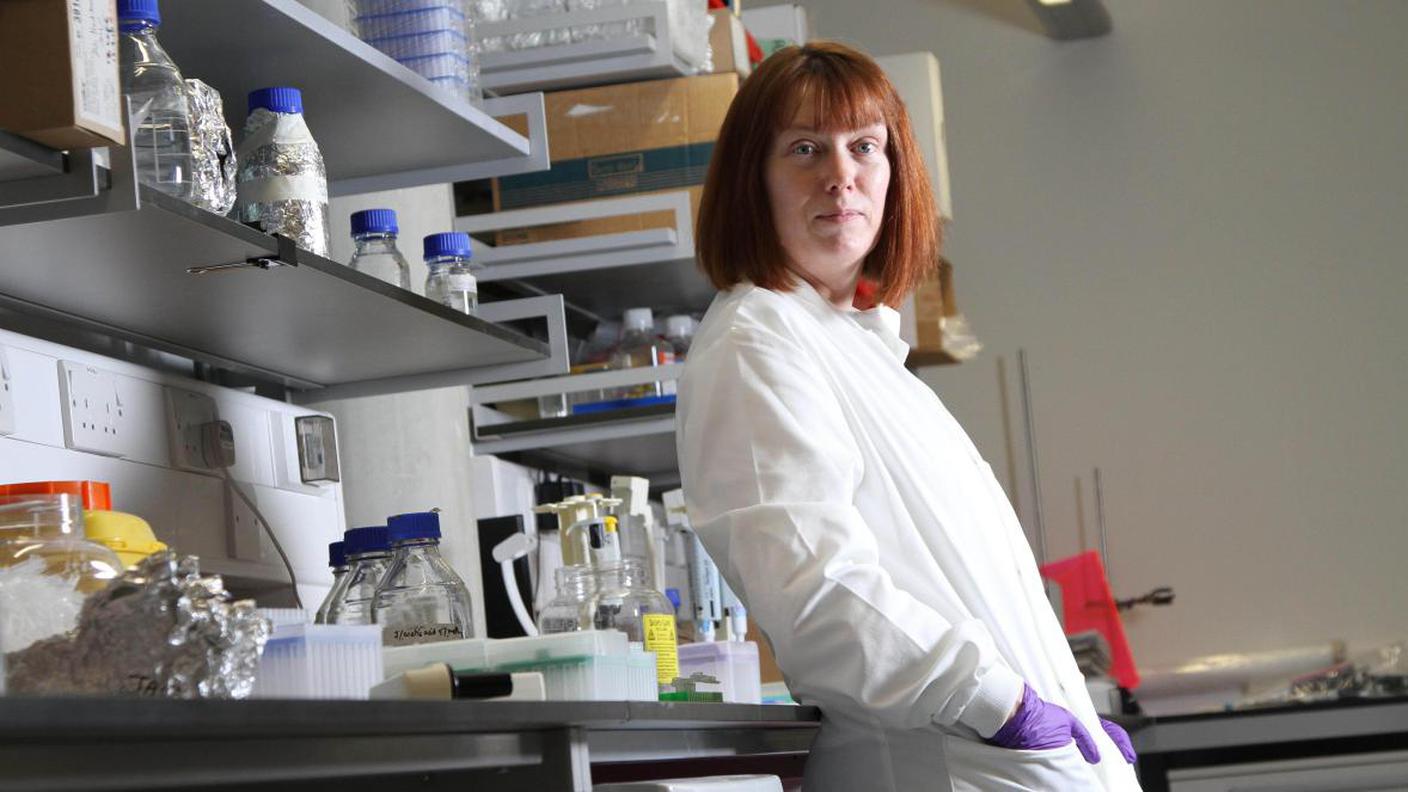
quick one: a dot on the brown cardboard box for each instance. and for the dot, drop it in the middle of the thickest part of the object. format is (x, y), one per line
(58, 72)
(620, 140)
(729, 44)
(933, 302)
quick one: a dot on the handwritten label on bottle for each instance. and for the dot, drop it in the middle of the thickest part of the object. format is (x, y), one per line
(408, 634)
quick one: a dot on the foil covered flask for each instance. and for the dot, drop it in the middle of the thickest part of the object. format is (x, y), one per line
(283, 185)
(212, 150)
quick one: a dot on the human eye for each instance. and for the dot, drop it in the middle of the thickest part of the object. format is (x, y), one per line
(804, 148)
(867, 147)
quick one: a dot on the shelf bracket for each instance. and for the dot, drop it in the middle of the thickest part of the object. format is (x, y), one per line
(77, 184)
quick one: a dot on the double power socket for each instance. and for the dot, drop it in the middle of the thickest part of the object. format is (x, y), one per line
(96, 420)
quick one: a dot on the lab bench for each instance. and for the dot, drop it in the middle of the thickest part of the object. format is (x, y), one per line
(111, 744)
(1352, 744)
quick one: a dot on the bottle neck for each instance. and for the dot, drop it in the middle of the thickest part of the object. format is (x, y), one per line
(628, 573)
(438, 263)
(375, 242)
(138, 27)
(575, 582)
(423, 543)
(369, 556)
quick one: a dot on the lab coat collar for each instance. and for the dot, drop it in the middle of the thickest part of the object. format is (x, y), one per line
(882, 320)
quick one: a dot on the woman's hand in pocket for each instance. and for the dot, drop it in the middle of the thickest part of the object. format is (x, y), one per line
(1039, 725)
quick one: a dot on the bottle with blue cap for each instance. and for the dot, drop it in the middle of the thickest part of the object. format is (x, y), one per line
(421, 599)
(374, 233)
(337, 561)
(451, 280)
(161, 121)
(282, 183)
(368, 555)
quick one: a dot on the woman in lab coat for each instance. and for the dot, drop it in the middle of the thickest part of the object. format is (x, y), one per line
(843, 503)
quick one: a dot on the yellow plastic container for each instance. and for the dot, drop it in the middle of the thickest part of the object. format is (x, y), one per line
(128, 535)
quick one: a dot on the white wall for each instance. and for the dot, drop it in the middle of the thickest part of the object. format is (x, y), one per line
(1194, 227)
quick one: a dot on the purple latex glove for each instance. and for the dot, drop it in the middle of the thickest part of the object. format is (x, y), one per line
(1039, 725)
(1121, 740)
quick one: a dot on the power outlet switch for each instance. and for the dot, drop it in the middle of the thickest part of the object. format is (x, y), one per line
(94, 419)
(187, 415)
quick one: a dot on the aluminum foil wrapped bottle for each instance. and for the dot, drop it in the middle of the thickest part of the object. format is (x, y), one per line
(283, 186)
(212, 150)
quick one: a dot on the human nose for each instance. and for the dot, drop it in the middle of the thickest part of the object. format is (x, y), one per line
(839, 174)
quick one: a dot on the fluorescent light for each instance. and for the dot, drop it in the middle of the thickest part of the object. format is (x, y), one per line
(1054, 2)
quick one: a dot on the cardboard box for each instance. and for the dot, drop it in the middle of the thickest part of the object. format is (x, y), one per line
(729, 44)
(59, 72)
(922, 318)
(624, 140)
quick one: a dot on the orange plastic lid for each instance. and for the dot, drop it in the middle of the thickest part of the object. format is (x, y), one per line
(96, 495)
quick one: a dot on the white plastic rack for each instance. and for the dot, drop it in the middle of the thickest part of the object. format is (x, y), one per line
(640, 56)
(379, 125)
(634, 441)
(607, 273)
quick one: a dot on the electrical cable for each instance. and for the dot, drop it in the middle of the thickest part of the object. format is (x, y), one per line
(268, 530)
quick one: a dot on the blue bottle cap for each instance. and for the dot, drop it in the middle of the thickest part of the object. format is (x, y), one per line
(673, 595)
(132, 14)
(415, 525)
(279, 99)
(453, 243)
(365, 540)
(374, 221)
(336, 556)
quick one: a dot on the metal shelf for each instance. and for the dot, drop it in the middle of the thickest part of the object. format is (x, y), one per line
(379, 125)
(638, 441)
(24, 159)
(305, 321)
(603, 274)
(630, 58)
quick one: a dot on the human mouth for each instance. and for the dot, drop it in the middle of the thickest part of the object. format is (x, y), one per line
(840, 216)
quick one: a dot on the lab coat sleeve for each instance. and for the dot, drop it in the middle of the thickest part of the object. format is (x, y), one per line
(769, 467)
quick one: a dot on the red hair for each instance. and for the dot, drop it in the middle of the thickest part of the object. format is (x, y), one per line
(847, 90)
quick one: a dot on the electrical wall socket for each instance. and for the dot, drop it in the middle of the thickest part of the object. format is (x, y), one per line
(94, 419)
(187, 412)
(244, 531)
(7, 396)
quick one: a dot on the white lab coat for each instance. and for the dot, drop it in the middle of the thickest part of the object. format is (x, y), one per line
(875, 549)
